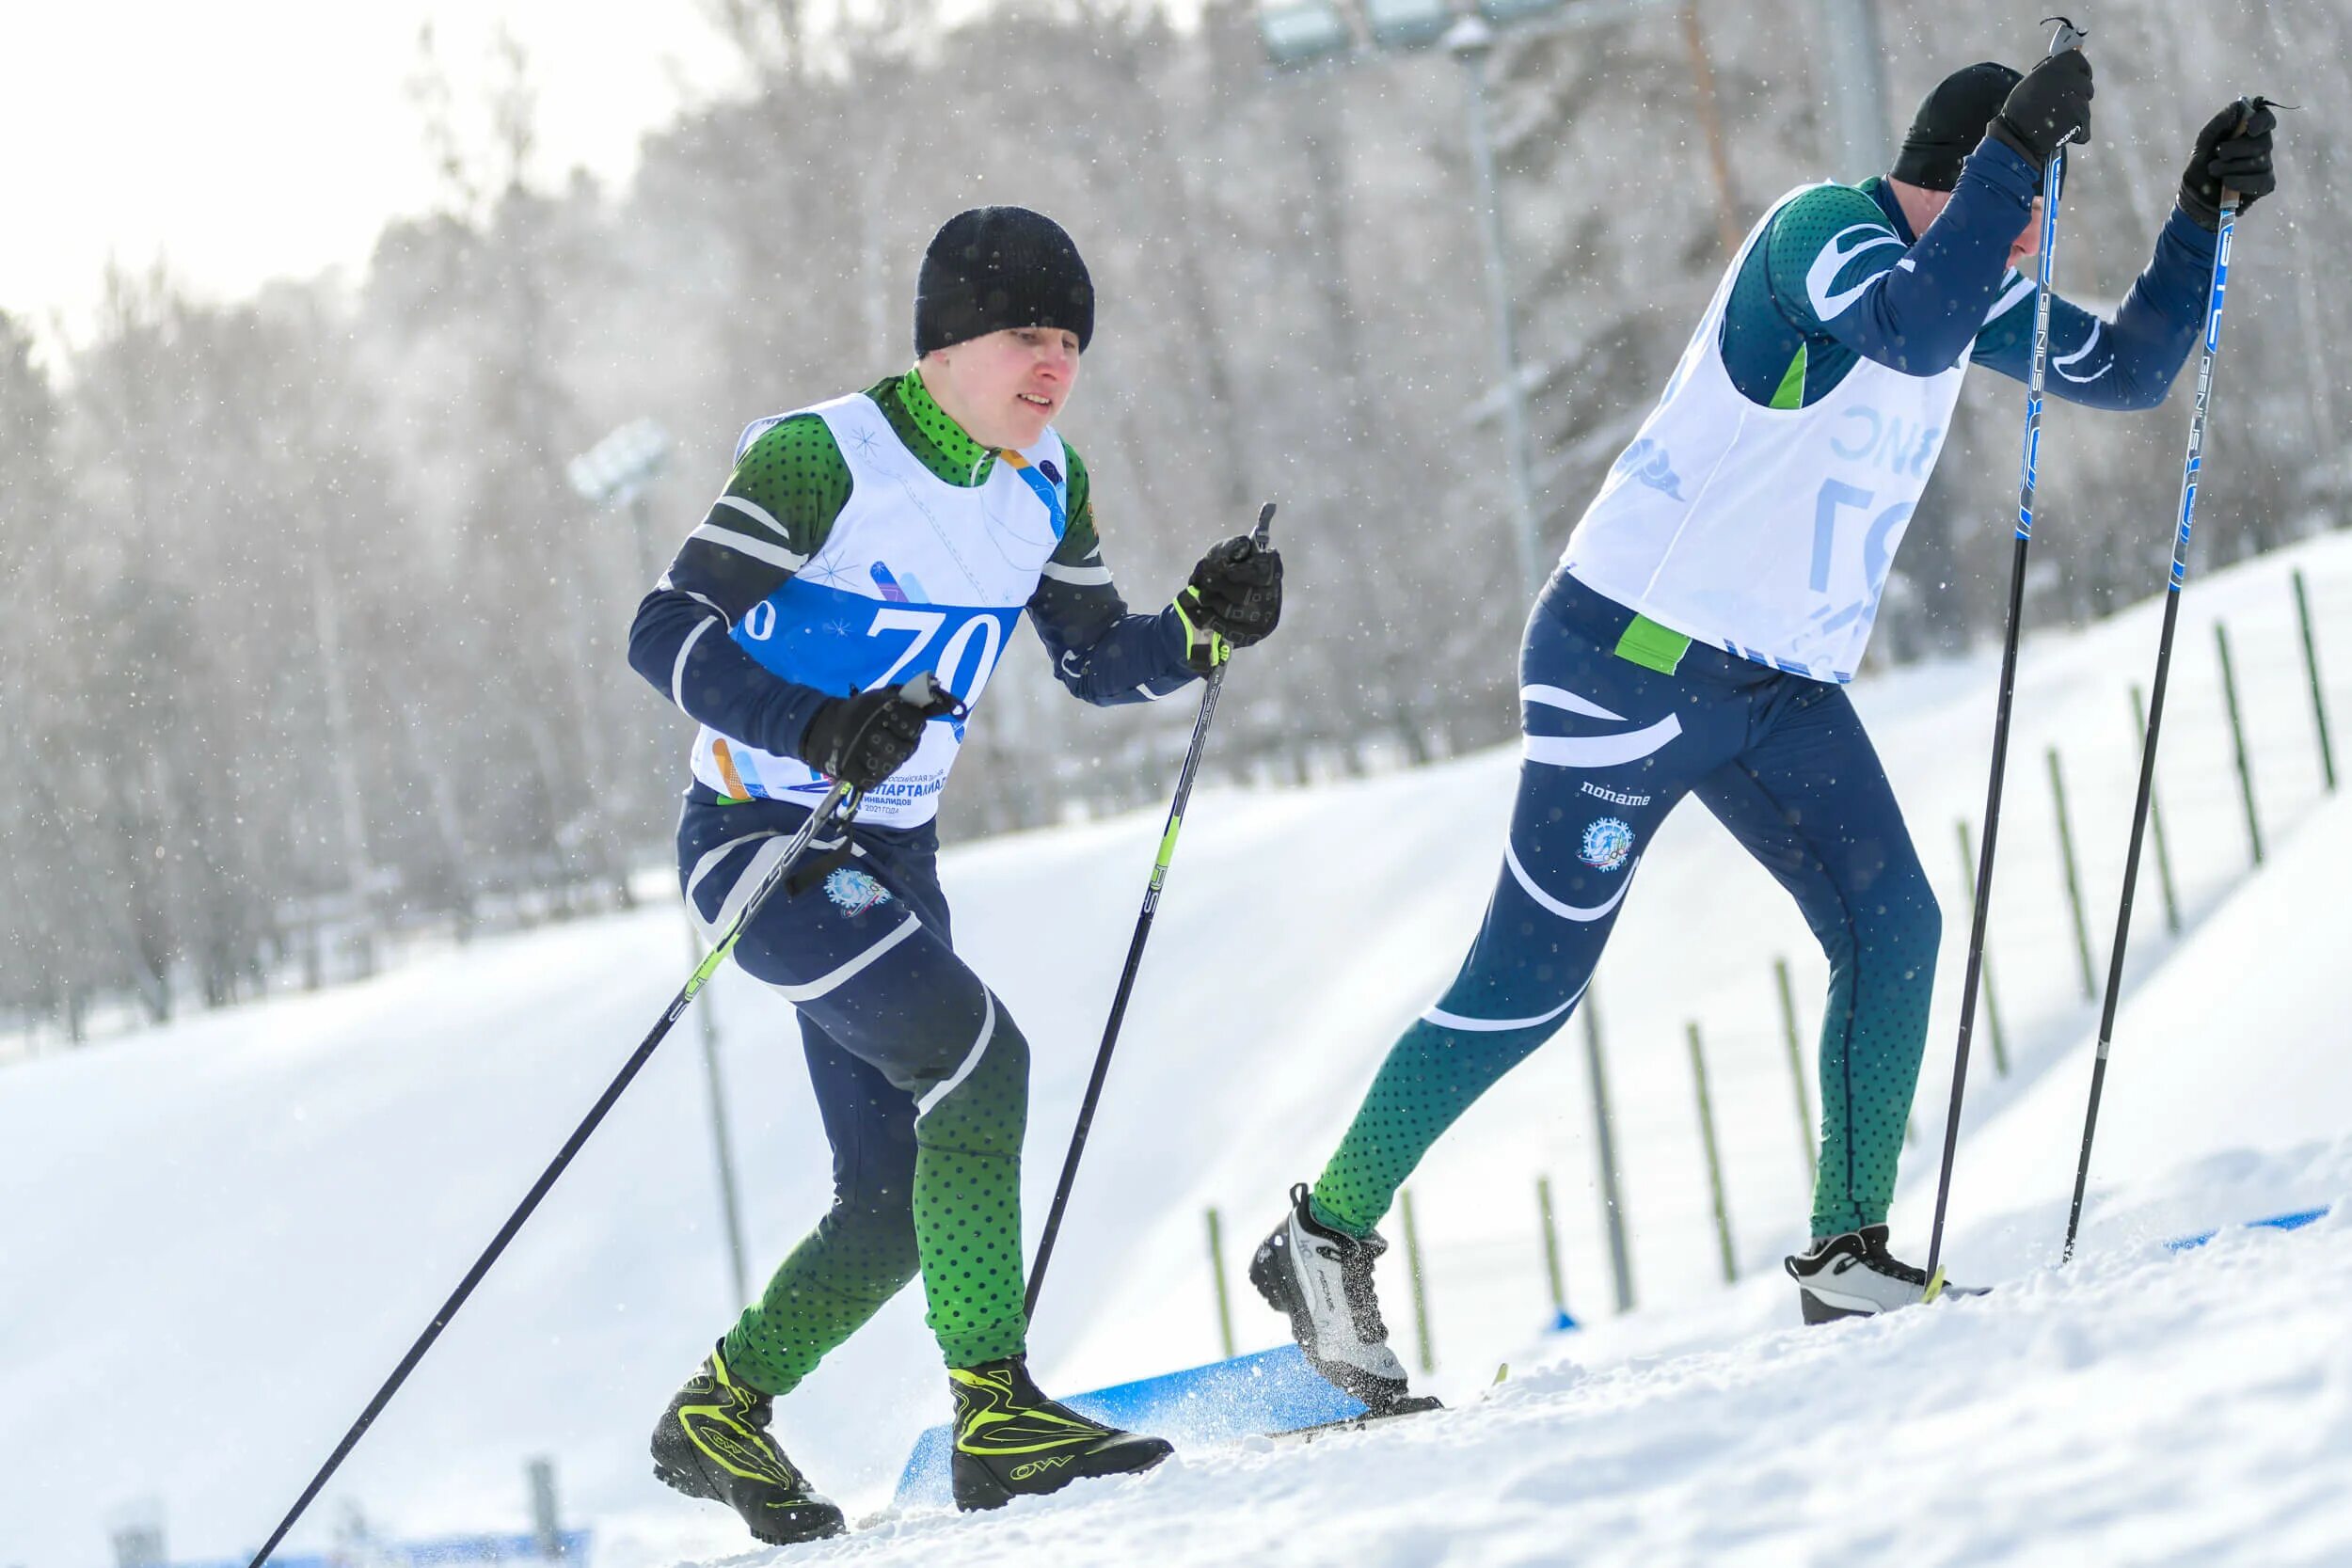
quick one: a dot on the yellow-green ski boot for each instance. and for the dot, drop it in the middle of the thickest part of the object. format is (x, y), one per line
(1012, 1441)
(714, 1442)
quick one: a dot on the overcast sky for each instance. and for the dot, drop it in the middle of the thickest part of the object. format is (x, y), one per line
(247, 139)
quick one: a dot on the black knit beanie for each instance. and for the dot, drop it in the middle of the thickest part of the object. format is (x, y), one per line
(1950, 124)
(996, 267)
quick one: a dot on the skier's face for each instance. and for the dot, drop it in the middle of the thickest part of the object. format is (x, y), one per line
(1922, 207)
(2028, 241)
(1006, 388)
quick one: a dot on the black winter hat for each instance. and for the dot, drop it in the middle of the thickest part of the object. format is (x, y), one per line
(1950, 124)
(996, 267)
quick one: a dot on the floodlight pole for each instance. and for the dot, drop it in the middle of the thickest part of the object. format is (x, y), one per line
(730, 1207)
(1854, 67)
(621, 469)
(1472, 41)
(1330, 34)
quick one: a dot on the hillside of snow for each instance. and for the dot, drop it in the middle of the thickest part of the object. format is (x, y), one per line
(2139, 1409)
(221, 1235)
(2139, 1406)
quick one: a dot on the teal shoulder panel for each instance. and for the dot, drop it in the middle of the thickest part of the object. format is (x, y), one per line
(1827, 217)
(1774, 345)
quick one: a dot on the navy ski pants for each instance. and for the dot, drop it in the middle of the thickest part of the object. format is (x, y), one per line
(920, 1076)
(1610, 747)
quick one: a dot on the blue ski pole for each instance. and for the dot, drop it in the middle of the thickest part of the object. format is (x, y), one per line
(2067, 36)
(2190, 465)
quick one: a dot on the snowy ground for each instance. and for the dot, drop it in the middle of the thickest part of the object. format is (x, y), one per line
(2139, 1406)
(2139, 1409)
(220, 1236)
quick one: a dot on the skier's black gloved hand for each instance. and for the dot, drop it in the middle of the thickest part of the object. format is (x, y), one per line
(2232, 150)
(863, 739)
(1234, 599)
(2049, 107)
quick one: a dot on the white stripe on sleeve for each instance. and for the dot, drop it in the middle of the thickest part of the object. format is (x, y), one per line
(677, 670)
(757, 512)
(758, 549)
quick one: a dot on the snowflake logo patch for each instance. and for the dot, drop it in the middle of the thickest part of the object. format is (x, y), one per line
(854, 889)
(1649, 464)
(1607, 844)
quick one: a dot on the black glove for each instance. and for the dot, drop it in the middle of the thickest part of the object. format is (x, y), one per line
(2049, 107)
(1234, 599)
(863, 739)
(2232, 150)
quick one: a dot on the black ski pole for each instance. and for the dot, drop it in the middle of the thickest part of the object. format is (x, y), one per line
(1135, 961)
(2194, 461)
(840, 803)
(2067, 36)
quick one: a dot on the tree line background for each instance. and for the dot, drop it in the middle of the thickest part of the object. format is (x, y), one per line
(309, 641)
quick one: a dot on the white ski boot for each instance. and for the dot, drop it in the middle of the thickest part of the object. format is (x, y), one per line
(1853, 1275)
(1321, 1279)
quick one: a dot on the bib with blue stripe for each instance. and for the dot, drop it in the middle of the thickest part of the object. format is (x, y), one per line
(916, 576)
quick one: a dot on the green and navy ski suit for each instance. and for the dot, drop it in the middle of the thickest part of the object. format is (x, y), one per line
(858, 544)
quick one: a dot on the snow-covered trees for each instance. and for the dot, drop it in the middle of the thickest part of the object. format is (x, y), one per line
(306, 632)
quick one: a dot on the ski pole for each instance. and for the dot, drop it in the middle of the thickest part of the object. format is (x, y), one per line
(2190, 465)
(840, 803)
(2067, 36)
(1134, 959)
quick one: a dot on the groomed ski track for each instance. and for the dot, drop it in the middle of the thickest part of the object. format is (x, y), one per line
(229, 1229)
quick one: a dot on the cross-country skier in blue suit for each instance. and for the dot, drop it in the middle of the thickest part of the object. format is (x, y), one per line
(1698, 634)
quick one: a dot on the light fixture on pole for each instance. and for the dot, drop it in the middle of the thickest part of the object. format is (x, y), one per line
(618, 470)
(1407, 24)
(1298, 33)
(1472, 41)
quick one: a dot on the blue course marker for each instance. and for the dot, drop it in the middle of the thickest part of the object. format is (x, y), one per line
(2295, 1221)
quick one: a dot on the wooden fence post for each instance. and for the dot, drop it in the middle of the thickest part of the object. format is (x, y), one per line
(1796, 1061)
(2155, 823)
(1992, 1009)
(1714, 1158)
(1604, 1134)
(2237, 739)
(1552, 1276)
(2319, 694)
(1421, 1290)
(2073, 878)
(1216, 1271)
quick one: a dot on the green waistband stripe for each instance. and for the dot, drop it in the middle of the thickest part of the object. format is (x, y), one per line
(1652, 646)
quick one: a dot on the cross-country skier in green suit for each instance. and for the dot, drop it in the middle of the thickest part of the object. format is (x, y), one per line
(1697, 635)
(898, 532)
